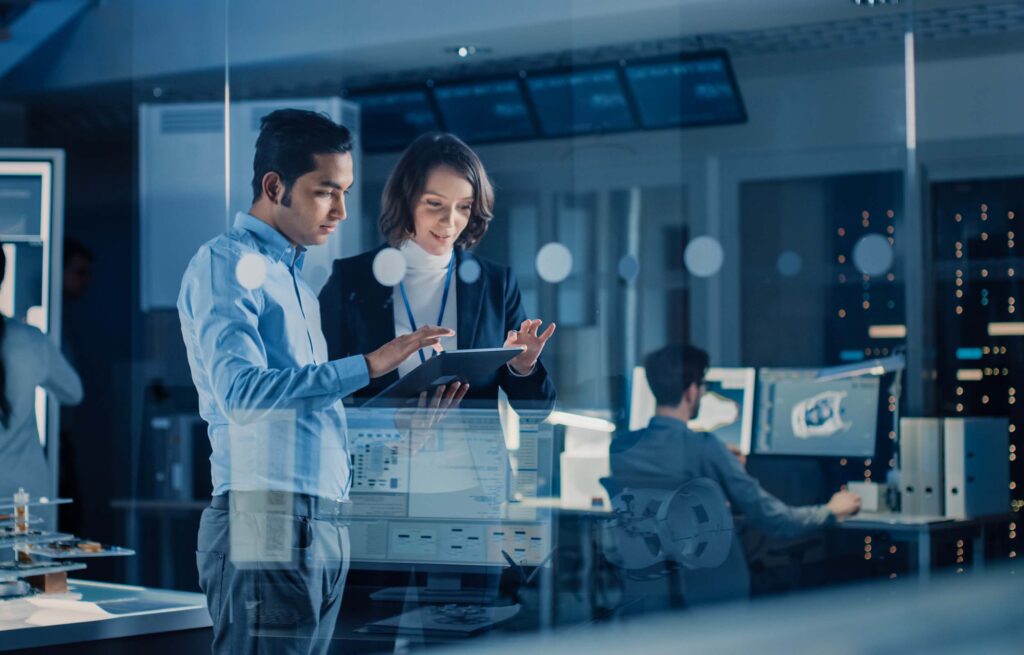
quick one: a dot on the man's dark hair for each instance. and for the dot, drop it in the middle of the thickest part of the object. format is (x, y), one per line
(75, 249)
(406, 183)
(672, 369)
(288, 140)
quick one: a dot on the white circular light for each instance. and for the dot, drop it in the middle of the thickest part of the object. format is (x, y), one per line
(389, 267)
(469, 270)
(554, 262)
(789, 263)
(704, 256)
(629, 268)
(873, 255)
(251, 271)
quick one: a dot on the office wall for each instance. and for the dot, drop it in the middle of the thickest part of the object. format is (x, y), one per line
(810, 115)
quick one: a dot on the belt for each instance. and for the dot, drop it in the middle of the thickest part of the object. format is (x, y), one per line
(279, 502)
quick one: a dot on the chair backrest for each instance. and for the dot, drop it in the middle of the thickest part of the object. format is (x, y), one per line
(691, 525)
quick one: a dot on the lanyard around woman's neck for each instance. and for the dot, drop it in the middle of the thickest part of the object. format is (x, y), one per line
(444, 303)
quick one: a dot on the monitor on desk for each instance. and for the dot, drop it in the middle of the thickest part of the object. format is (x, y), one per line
(445, 504)
(726, 408)
(798, 414)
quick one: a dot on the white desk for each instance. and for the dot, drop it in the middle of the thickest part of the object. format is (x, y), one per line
(93, 611)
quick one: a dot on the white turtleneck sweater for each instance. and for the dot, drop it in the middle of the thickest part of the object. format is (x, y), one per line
(424, 285)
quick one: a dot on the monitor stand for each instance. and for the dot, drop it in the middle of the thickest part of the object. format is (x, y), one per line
(441, 588)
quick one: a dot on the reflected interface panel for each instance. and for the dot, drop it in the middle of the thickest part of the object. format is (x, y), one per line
(442, 496)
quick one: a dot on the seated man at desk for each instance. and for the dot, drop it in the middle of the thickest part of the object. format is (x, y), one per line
(666, 454)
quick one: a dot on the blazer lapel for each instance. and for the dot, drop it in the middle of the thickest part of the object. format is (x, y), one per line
(469, 298)
(378, 320)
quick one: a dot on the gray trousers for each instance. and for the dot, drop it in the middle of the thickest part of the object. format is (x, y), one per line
(273, 582)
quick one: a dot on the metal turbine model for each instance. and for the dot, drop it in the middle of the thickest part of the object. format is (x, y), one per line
(691, 525)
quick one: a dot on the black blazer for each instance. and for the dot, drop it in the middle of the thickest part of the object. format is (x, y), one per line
(357, 314)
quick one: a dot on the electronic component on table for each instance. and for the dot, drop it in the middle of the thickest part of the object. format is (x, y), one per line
(76, 548)
(9, 537)
(10, 570)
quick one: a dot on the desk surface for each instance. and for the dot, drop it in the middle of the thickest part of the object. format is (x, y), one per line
(894, 522)
(96, 610)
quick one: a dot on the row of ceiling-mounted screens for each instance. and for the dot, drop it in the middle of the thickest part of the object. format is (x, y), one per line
(689, 90)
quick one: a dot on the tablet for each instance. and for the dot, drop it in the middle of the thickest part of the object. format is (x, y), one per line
(475, 367)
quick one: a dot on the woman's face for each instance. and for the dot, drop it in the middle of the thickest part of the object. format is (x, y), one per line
(442, 211)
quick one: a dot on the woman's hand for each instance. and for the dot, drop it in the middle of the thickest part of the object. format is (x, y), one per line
(532, 342)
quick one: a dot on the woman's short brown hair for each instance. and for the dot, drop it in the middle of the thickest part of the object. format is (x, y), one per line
(409, 178)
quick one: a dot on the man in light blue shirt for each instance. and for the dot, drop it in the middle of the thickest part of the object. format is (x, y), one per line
(271, 554)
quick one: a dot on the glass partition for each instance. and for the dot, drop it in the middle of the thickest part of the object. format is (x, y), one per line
(733, 289)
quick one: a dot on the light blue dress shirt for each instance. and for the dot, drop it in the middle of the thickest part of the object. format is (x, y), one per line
(272, 399)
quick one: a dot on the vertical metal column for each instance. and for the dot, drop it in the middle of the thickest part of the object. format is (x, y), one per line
(918, 288)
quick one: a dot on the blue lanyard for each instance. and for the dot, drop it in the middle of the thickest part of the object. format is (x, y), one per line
(444, 303)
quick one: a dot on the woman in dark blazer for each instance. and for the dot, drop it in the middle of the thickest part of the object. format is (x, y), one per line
(436, 206)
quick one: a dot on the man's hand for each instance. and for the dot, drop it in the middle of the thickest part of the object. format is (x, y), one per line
(387, 358)
(844, 504)
(533, 343)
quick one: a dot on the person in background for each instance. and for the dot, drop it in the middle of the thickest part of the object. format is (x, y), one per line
(436, 206)
(28, 359)
(78, 266)
(666, 454)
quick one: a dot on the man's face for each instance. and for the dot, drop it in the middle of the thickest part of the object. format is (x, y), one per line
(316, 201)
(77, 275)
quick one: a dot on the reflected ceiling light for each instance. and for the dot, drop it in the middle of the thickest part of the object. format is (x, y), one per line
(467, 51)
(569, 419)
(872, 3)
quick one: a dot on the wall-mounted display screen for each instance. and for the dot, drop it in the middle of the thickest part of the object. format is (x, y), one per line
(391, 120)
(685, 91)
(492, 110)
(580, 102)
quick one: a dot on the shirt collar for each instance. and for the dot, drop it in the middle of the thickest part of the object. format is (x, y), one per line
(271, 242)
(667, 422)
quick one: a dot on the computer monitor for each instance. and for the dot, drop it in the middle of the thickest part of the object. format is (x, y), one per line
(686, 91)
(390, 120)
(580, 102)
(486, 110)
(446, 503)
(799, 414)
(726, 408)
